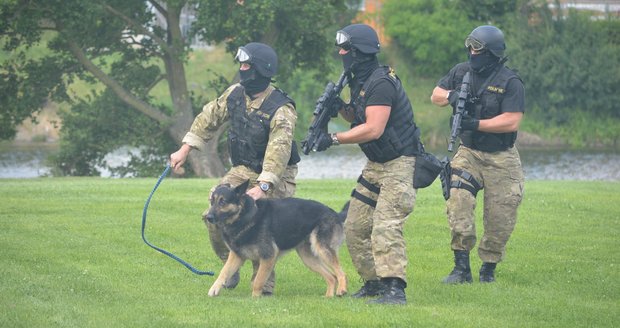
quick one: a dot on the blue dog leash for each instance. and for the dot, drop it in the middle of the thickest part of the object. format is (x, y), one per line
(146, 205)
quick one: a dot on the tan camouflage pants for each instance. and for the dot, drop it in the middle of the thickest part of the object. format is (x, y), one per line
(236, 176)
(375, 235)
(501, 176)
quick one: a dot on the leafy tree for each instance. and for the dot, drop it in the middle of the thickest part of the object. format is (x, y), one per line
(488, 11)
(129, 47)
(431, 33)
(569, 63)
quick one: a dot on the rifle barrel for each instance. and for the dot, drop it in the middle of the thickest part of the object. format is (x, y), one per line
(460, 109)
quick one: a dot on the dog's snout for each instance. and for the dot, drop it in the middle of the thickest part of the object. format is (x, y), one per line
(209, 216)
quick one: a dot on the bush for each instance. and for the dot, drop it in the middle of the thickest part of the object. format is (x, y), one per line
(430, 32)
(568, 64)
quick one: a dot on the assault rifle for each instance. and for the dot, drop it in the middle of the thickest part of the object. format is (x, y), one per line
(460, 109)
(446, 173)
(323, 111)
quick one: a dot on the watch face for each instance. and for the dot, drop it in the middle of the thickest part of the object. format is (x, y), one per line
(264, 186)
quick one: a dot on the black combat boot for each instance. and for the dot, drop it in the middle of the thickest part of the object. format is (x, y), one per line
(462, 272)
(487, 272)
(370, 288)
(394, 292)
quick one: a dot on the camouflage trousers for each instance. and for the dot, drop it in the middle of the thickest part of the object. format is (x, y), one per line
(374, 235)
(236, 176)
(501, 176)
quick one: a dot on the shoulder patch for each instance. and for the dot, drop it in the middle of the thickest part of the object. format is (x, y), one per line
(263, 114)
(392, 73)
(496, 89)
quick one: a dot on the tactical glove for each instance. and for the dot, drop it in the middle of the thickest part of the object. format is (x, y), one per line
(453, 97)
(337, 106)
(324, 141)
(469, 123)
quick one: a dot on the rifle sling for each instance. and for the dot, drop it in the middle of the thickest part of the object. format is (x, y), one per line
(491, 77)
(486, 83)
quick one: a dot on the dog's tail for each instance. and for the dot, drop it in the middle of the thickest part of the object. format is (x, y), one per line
(342, 216)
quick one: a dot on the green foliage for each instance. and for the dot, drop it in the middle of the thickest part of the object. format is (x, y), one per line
(577, 131)
(72, 256)
(568, 64)
(131, 51)
(488, 11)
(431, 33)
(111, 126)
(27, 82)
(301, 40)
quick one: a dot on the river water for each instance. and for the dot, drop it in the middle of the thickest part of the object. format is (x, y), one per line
(347, 162)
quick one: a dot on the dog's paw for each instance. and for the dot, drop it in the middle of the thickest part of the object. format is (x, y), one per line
(214, 290)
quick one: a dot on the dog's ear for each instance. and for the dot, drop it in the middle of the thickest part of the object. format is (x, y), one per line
(241, 189)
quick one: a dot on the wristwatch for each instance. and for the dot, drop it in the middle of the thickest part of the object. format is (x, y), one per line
(335, 140)
(264, 186)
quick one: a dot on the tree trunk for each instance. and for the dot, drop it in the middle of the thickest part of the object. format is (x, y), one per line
(205, 163)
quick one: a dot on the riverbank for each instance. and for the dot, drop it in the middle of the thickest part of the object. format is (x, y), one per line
(543, 159)
(28, 160)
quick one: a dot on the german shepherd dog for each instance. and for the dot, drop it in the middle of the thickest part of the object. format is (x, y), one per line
(265, 229)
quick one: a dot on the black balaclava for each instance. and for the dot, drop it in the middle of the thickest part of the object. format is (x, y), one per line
(253, 81)
(482, 63)
(361, 66)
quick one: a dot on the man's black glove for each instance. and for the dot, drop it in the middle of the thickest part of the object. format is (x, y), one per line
(337, 106)
(323, 141)
(453, 97)
(469, 123)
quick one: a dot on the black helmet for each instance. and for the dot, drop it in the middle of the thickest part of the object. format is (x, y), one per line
(260, 56)
(359, 36)
(487, 37)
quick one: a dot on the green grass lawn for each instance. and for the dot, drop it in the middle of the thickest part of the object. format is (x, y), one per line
(72, 256)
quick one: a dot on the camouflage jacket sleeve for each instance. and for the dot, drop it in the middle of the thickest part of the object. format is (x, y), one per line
(205, 125)
(278, 151)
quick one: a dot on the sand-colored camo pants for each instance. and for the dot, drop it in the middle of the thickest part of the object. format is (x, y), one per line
(374, 235)
(501, 176)
(236, 176)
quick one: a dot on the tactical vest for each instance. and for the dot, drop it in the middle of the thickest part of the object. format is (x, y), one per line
(399, 137)
(249, 133)
(488, 105)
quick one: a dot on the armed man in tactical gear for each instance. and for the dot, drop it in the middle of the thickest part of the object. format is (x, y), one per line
(382, 124)
(260, 138)
(487, 157)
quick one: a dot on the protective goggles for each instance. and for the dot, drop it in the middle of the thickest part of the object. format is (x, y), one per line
(473, 44)
(243, 56)
(343, 40)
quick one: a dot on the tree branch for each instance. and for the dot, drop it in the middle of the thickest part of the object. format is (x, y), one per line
(123, 94)
(160, 78)
(159, 7)
(138, 27)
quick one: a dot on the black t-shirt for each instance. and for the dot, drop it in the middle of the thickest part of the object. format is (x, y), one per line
(513, 99)
(382, 93)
